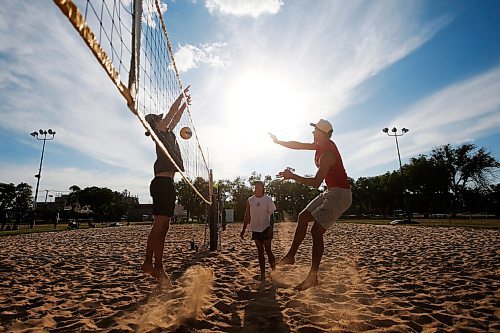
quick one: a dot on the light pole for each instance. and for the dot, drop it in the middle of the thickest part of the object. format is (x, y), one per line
(395, 134)
(47, 195)
(38, 136)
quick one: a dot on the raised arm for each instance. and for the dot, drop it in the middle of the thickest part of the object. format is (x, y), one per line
(293, 144)
(325, 162)
(176, 110)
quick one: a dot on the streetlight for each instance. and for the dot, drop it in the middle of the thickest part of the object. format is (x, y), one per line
(38, 136)
(47, 195)
(395, 134)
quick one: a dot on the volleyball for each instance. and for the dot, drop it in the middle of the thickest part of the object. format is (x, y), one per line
(186, 133)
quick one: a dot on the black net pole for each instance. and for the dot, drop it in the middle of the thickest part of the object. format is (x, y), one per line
(213, 222)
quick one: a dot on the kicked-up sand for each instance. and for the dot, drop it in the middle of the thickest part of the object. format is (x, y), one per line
(372, 278)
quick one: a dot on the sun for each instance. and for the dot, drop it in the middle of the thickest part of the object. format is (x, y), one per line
(258, 102)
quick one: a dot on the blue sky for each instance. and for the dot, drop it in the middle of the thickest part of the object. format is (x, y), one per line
(256, 67)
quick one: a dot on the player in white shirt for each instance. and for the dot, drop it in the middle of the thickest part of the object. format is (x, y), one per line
(260, 208)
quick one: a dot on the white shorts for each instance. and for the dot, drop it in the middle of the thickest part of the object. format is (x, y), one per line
(327, 207)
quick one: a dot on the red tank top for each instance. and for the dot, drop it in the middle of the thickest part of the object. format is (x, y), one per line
(336, 174)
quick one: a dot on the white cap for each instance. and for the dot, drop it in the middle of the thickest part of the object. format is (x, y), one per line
(323, 125)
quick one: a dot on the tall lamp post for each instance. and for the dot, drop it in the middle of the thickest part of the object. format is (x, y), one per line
(395, 134)
(38, 135)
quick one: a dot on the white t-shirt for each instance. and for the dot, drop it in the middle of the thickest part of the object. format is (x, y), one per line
(260, 212)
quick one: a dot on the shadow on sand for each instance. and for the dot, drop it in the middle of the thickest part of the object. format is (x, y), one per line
(262, 313)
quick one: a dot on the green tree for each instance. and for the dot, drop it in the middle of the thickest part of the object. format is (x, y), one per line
(476, 200)
(258, 177)
(200, 207)
(7, 196)
(106, 204)
(224, 187)
(466, 167)
(494, 199)
(240, 193)
(380, 195)
(73, 197)
(290, 197)
(195, 207)
(17, 199)
(185, 196)
(23, 201)
(427, 181)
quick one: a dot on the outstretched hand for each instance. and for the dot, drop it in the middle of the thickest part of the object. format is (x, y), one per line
(275, 139)
(286, 174)
(177, 109)
(180, 98)
(188, 95)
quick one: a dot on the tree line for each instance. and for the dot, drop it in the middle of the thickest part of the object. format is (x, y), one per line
(15, 203)
(449, 180)
(103, 204)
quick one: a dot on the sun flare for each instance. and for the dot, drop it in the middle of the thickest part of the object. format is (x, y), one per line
(262, 102)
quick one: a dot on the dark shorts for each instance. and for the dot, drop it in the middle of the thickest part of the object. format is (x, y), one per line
(163, 192)
(264, 235)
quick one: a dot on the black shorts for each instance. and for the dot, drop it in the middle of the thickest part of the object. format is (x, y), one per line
(264, 235)
(163, 192)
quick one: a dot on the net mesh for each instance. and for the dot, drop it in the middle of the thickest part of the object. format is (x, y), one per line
(143, 69)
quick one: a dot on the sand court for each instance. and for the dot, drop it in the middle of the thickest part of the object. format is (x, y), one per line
(372, 278)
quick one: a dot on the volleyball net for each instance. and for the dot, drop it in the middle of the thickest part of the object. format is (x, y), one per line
(130, 41)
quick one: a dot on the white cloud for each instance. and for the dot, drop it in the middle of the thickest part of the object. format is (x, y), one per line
(59, 179)
(190, 56)
(282, 74)
(49, 79)
(252, 8)
(454, 114)
(150, 14)
(286, 73)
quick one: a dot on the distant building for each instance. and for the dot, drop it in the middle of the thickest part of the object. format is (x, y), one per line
(140, 213)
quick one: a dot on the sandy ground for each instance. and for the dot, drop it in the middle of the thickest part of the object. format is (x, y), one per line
(373, 278)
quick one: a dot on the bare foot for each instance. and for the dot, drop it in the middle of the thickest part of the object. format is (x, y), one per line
(286, 260)
(162, 278)
(148, 268)
(259, 277)
(310, 281)
(164, 282)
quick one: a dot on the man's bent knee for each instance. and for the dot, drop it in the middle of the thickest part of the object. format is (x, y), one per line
(317, 230)
(305, 217)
